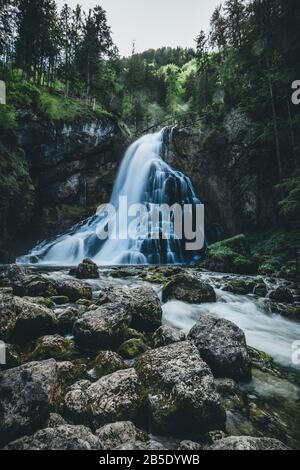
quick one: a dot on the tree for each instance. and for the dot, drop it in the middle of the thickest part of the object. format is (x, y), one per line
(96, 45)
(218, 29)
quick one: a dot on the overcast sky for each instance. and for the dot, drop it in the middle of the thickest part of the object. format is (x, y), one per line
(153, 23)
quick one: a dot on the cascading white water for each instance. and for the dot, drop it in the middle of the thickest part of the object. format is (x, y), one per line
(144, 178)
(265, 331)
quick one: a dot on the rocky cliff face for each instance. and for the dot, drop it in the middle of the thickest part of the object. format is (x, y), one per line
(68, 169)
(236, 185)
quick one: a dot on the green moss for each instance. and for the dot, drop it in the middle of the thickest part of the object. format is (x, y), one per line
(130, 333)
(84, 302)
(241, 287)
(232, 256)
(276, 252)
(53, 347)
(132, 348)
(108, 362)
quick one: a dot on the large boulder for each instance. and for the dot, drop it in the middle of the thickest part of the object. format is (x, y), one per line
(117, 434)
(141, 302)
(248, 443)
(167, 335)
(26, 396)
(86, 270)
(21, 320)
(108, 362)
(282, 294)
(39, 285)
(63, 437)
(181, 390)
(132, 348)
(115, 397)
(66, 319)
(188, 288)
(104, 327)
(53, 347)
(12, 274)
(222, 345)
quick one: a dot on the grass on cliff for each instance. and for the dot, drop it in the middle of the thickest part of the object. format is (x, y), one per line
(276, 251)
(50, 105)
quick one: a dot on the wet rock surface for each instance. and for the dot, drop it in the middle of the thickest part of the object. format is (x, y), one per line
(248, 443)
(63, 437)
(107, 364)
(142, 303)
(103, 327)
(27, 393)
(181, 388)
(167, 335)
(116, 397)
(188, 288)
(86, 270)
(223, 346)
(115, 435)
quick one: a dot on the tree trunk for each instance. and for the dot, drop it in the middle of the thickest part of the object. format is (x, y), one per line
(276, 133)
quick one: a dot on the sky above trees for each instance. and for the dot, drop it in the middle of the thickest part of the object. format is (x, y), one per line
(155, 23)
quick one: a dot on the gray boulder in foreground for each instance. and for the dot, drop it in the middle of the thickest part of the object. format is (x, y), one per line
(222, 345)
(115, 397)
(26, 395)
(181, 390)
(248, 443)
(167, 335)
(189, 288)
(102, 328)
(64, 437)
(141, 302)
(22, 320)
(117, 434)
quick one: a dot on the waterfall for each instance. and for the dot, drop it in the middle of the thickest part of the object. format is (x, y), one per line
(144, 178)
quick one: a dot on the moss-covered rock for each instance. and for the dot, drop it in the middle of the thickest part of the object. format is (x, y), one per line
(260, 289)
(86, 270)
(66, 319)
(52, 347)
(108, 362)
(282, 294)
(231, 256)
(188, 288)
(291, 312)
(60, 299)
(115, 397)
(84, 302)
(130, 333)
(167, 335)
(181, 388)
(141, 303)
(241, 286)
(132, 348)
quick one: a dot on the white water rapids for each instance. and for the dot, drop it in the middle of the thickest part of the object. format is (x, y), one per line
(265, 331)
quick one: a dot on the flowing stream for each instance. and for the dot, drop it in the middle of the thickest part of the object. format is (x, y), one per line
(265, 331)
(144, 179)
